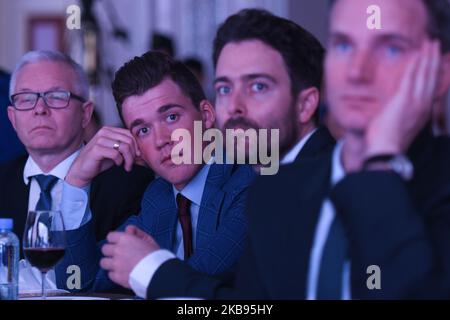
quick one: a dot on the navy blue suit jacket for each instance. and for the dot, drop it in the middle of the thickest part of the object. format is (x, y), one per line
(221, 228)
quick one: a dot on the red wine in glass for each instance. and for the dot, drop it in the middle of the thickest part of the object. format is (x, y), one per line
(44, 241)
(44, 258)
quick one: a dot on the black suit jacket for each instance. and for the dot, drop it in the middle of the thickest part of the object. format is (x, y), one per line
(115, 195)
(402, 227)
(319, 143)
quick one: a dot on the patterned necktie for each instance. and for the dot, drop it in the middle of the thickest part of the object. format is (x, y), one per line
(46, 184)
(329, 285)
(184, 216)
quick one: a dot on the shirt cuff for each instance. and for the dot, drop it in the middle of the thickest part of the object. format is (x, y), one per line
(143, 272)
(74, 206)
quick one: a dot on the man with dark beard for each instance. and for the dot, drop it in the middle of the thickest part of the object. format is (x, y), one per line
(268, 76)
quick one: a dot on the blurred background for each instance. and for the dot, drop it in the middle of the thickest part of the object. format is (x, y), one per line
(113, 31)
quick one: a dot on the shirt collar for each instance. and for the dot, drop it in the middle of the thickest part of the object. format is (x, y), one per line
(194, 189)
(337, 170)
(295, 150)
(60, 171)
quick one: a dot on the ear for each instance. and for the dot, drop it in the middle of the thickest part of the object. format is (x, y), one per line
(208, 114)
(88, 109)
(11, 116)
(307, 104)
(444, 76)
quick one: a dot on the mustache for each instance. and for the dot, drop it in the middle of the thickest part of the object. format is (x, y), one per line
(240, 122)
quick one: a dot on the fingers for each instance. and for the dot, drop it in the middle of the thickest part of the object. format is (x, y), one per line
(121, 142)
(108, 250)
(114, 276)
(108, 153)
(142, 234)
(426, 79)
(419, 80)
(131, 229)
(422, 65)
(128, 153)
(406, 113)
(114, 236)
(107, 263)
(432, 74)
(135, 231)
(122, 135)
(412, 69)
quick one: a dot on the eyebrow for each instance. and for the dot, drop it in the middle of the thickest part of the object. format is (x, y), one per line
(387, 37)
(396, 37)
(221, 79)
(259, 75)
(169, 106)
(162, 109)
(136, 123)
(50, 89)
(338, 35)
(247, 77)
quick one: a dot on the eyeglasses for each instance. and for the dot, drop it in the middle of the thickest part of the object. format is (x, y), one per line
(57, 99)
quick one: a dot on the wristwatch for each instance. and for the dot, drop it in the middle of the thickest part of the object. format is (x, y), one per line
(397, 163)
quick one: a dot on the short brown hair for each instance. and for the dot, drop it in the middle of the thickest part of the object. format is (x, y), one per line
(147, 71)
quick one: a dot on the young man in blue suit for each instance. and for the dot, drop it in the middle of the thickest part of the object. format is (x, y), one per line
(194, 211)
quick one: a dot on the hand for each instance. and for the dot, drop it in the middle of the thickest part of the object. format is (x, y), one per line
(124, 251)
(394, 129)
(100, 155)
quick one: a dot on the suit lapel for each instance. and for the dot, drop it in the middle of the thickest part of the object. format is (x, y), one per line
(14, 195)
(299, 210)
(162, 224)
(24, 191)
(161, 201)
(212, 198)
(320, 142)
(19, 197)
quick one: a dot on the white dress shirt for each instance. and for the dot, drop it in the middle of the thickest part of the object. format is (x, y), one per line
(71, 221)
(326, 218)
(31, 169)
(295, 150)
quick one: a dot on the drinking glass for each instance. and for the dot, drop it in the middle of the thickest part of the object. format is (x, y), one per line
(44, 241)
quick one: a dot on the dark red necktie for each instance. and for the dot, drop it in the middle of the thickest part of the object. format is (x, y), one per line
(184, 215)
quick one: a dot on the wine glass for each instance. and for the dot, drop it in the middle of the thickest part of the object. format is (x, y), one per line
(44, 241)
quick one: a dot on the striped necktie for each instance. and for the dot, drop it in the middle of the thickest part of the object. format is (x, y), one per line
(46, 184)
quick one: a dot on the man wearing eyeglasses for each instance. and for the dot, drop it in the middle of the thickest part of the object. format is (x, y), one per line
(50, 107)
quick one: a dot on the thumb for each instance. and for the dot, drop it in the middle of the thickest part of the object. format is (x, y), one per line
(133, 230)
